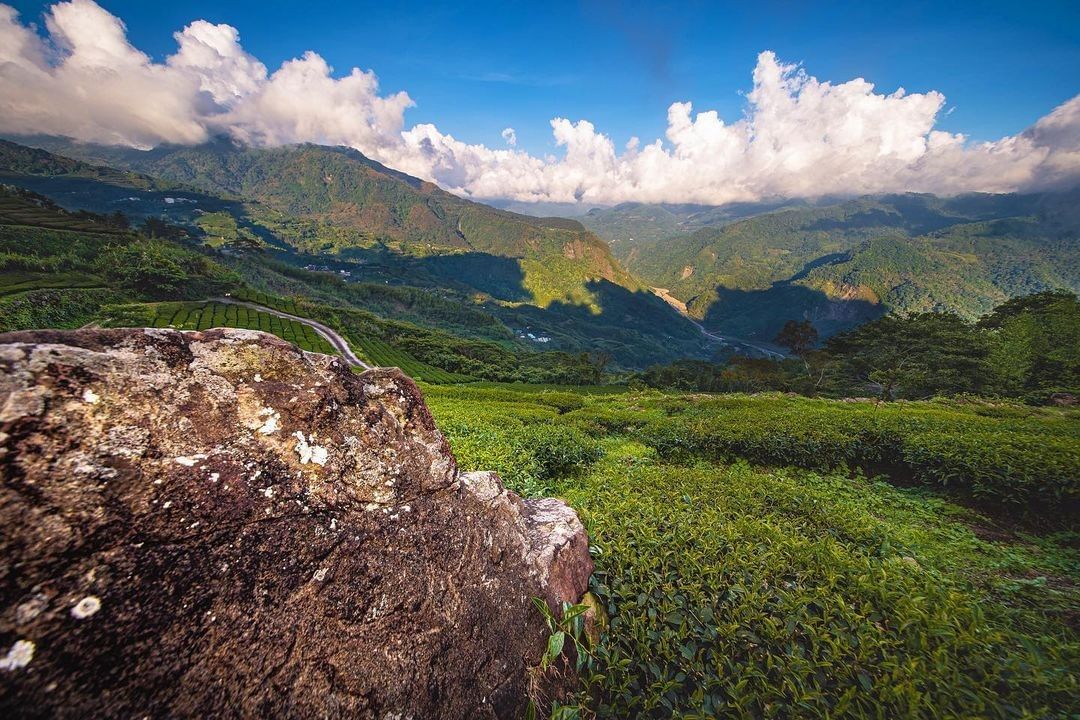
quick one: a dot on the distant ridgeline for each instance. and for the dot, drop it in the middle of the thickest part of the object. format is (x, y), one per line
(405, 251)
(441, 262)
(747, 269)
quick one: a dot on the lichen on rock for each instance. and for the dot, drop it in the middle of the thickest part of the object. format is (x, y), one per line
(216, 524)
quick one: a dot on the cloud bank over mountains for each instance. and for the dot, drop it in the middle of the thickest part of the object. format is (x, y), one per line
(798, 137)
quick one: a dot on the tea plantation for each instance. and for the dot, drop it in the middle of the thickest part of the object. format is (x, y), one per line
(205, 315)
(202, 316)
(751, 568)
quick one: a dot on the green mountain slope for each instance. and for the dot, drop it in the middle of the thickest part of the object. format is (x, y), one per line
(546, 282)
(22, 160)
(324, 199)
(629, 227)
(842, 264)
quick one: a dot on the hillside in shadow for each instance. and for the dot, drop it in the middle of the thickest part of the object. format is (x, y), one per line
(759, 314)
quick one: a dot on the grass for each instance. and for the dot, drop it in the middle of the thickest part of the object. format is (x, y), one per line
(742, 589)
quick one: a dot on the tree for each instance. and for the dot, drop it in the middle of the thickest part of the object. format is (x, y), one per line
(1035, 344)
(246, 242)
(150, 267)
(155, 228)
(913, 357)
(798, 337)
(1039, 303)
(118, 220)
(593, 364)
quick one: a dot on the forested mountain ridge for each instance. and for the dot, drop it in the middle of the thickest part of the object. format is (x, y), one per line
(842, 264)
(342, 188)
(335, 200)
(547, 282)
(628, 226)
(22, 160)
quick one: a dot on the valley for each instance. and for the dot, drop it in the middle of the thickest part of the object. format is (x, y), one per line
(827, 455)
(548, 277)
(746, 271)
(539, 361)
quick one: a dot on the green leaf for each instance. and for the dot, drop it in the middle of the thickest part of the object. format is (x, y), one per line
(555, 645)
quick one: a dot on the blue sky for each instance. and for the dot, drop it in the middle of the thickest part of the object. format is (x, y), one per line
(476, 68)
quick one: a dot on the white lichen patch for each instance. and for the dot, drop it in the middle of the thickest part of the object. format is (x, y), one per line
(257, 378)
(320, 574)
(189, 460)
(86, 607)
(273, 421)
(308, 452)
(269, 492)
(90, 396)
(19, 656)
(271, 425)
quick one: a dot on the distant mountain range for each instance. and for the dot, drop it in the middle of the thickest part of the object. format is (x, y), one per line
(840, 263)
(742, 270)
(319, 207)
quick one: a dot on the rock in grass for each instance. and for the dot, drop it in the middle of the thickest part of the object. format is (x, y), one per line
(215, 524)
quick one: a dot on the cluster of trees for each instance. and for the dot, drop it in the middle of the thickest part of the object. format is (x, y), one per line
(159, 270)
(1027, 347)
(149, 262)
(492, 361)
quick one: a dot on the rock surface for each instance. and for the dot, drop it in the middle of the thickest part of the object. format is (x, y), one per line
(216, 524)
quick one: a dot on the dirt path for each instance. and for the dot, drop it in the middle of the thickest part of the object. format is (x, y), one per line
(331, 335)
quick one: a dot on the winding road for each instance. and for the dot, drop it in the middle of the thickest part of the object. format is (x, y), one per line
(329, 334)
(680, 308)
(342, 347)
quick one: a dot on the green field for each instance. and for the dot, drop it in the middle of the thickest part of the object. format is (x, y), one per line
(206, 315)
(15, 211)
(203, 316)
(750, 569)
(382, 354)
(287, 305)
(377, 352)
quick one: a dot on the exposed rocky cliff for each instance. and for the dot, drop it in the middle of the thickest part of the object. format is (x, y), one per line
(216, 524)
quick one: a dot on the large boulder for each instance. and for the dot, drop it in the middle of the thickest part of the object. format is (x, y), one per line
(216, 524)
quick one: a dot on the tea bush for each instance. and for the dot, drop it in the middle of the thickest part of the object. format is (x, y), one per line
(760, 591)
(1008, 461)
(736, 592)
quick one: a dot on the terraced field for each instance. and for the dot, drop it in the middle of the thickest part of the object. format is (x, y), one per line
(16, 211)
(19, 282)
(385, 355)
(271, 301)
(376, 351)
(206, 315)
(203, 316)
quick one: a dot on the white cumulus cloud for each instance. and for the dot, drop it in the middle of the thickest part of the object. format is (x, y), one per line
(798, 136)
